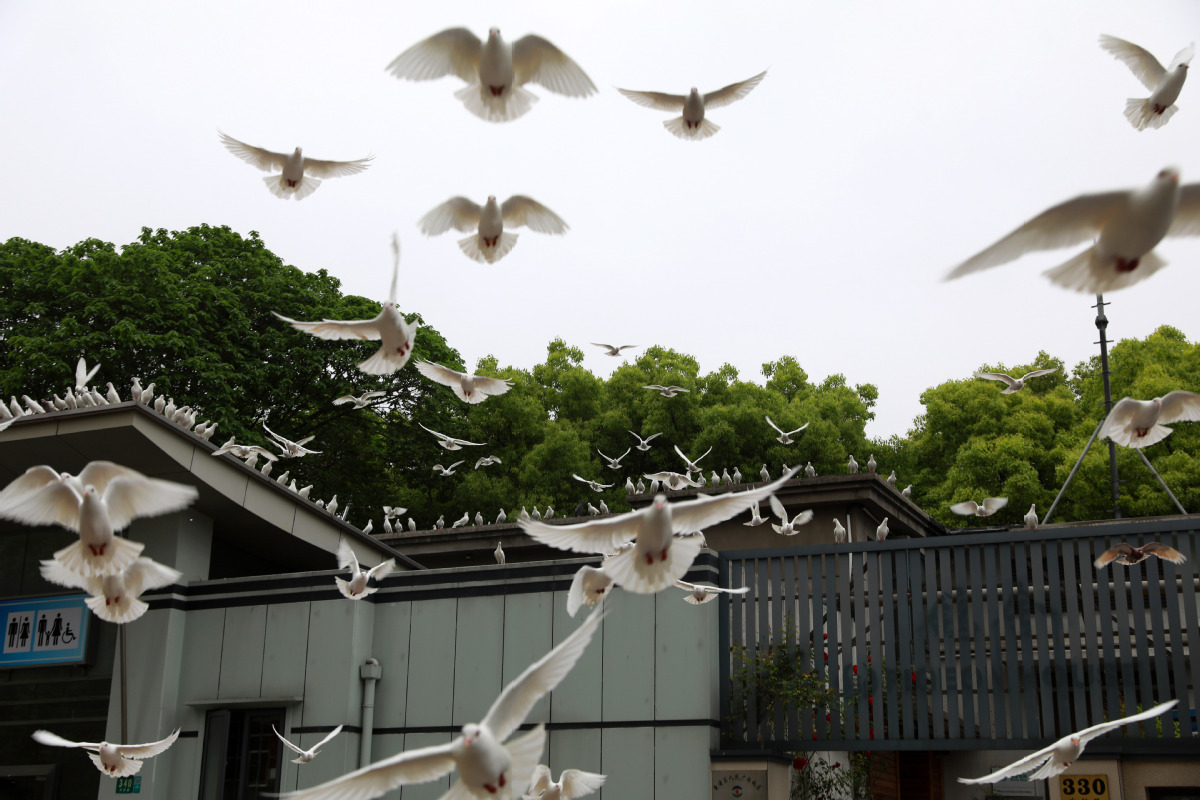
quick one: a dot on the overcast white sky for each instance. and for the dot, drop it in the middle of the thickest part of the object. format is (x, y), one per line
(888, 142)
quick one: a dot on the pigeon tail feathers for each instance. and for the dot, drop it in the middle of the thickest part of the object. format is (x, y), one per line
(1141, 114)
(705, 129)
(517, 103)
(490, 255)
(1087, 273)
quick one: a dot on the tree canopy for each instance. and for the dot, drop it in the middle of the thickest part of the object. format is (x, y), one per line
(191, 312)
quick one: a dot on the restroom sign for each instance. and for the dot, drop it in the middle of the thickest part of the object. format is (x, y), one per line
(44, 630)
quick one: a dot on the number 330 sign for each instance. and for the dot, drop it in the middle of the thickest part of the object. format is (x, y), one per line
(1084, 787)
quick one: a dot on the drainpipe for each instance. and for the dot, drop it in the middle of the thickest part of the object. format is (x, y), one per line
(370, 672)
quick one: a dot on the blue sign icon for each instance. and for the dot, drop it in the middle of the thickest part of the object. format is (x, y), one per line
(44, 630)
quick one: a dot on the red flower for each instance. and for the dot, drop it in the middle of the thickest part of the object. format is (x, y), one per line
(800, 762)
(814, 736)
(827, 658)
(837, 764)
(855, 669)
(827, 715)
(825, 635)
(870, 701)
(914, 676)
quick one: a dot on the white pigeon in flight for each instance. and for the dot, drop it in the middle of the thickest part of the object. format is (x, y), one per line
(660, 555)
(698, 594)
(469, 388)
(495, 71)
(672, 481)
(571, 783)
(693, 124)
(288, 448)
(114, 760)
(788, 528)
(1054, 759)
(1124, 225)
(588, 588)
(395, 332)
(446, 472)
(614, 350)
(989, 506)
(356, 588)
(785, 437)
(614, 463)
(299, 176)
(311, 753)
(359, 402)
(756, 517)
(115, 597)
(1014, 384)
(487, 767)
(644, 444)
(1164, 84)
(450, 443)
(595, 486)
(104, 498)
(83, 376)
(489, 241)
(666, 391)
(1141, 423)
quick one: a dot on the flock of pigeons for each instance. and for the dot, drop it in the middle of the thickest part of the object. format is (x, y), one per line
(646, 551)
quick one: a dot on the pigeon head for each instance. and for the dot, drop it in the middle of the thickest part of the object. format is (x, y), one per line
(493, 33)
(470, 733)
(695, 92)
(1168, 174)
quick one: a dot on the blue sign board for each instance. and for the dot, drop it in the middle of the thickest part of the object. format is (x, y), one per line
(44, 630)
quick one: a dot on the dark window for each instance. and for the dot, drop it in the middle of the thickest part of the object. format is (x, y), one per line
(242, 757)
(1173, 793)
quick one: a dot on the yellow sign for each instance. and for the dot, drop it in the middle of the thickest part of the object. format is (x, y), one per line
(1083, 787)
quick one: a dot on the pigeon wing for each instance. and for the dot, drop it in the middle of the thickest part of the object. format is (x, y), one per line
(263, 159)
(337, 328)
(289, 744)
(325, 741)
(99, 473)
(455, 51)
(595, 536)
(659, 101)
(1112, 554)
(1019, 767)
(439, 374)
(540, 780)
(968, 508)
(1087, 734)
(318, 168)
(32, 480)
(1118, 420)
(536, 59)
(128, 498)
(773, 425)
(993, 504)
(1180, 406)
(1037, 373)
(54, 504)
(733, 92)
(1187, 215)
(146, 574)
(82, 375)
(374, 780)
(539, 678)
(700, 513)
(1066, 224)
(996, 376)
(1161, 550)
(457, 212)
(54, 740)
(577, 783)
(1144, 66)
(1184, 56)
(520, 210)
(149, 749)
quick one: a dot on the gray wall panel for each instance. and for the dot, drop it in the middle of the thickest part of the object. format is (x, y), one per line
(684, 663)
(286, 653)
(332, 689)
(578, 697)
(478, 654)
(628, 760)
(431, 659)
(681, 765)
(242, 652)
(201, 668)
(628, 662)
(528, 635)
(392, 622)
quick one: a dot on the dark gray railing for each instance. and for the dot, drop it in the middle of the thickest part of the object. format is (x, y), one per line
(997, 640)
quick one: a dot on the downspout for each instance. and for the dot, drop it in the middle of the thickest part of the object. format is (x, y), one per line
(370, 672)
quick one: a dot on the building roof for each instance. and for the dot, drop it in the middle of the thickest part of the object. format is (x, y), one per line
(249, 511)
